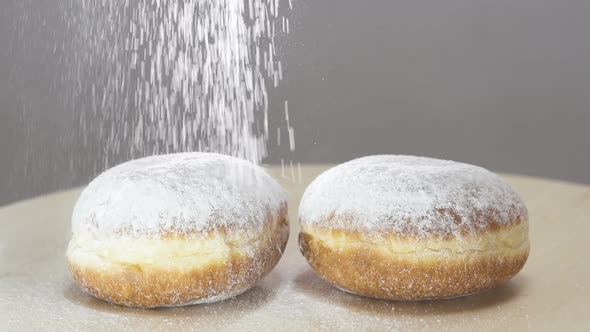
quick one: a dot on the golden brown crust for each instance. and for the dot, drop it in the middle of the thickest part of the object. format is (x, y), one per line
(365, 270)
(151, 286)
(364, 235)
(481, 222)
(215, 228)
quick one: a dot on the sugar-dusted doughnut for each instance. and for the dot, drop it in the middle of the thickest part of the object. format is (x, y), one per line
(177, 229)
(412, 228)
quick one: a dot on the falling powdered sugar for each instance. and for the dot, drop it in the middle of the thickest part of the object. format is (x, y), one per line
(409, 196)
(174, 76)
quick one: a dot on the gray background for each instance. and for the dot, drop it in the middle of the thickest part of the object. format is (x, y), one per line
(503, 84)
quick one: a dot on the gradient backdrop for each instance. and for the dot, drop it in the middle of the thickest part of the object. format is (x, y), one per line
(502, 84)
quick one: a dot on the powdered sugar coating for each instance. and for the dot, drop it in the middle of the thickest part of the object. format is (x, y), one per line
(184, 193)
(410, 196)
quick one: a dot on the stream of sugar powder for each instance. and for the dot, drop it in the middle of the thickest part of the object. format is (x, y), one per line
(168, 76)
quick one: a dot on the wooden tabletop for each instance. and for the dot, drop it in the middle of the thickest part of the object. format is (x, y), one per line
(550, 293)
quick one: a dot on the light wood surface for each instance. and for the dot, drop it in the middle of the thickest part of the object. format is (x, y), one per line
(551, 292)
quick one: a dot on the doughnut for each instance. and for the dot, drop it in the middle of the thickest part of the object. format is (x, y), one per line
(177, 229)
(412, 228)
